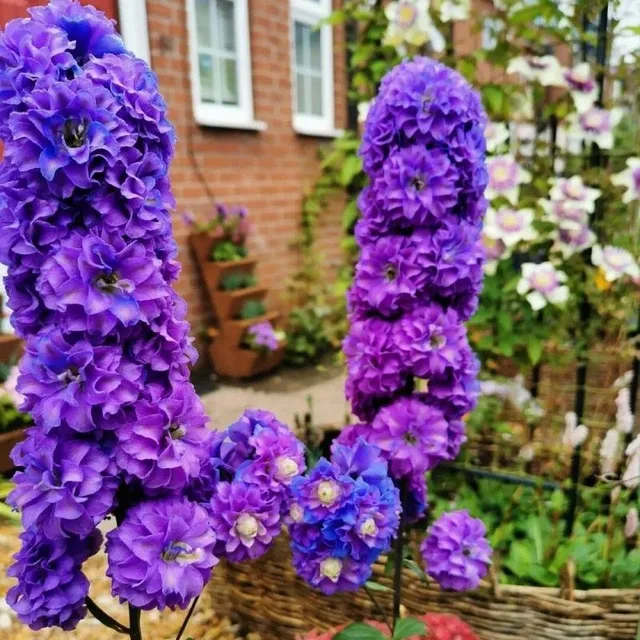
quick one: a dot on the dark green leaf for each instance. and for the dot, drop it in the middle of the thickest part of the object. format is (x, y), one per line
(376, 586)
(407, 627)
(359, 631)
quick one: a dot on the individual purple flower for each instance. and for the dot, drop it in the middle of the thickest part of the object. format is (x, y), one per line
(456, 552)
(101, 281)
(29, 51)
(329, 572)
(412, 435)
(69, 134)
(375, 369)
(388, 276)
(261, 337)
(66, 487)
(324, 492)
(416, 187)
(432, 342)
(245, 518)
(65, 381)
(505, 178)
(161, 555)
(90, 30)
(164, 444)
(51, 589)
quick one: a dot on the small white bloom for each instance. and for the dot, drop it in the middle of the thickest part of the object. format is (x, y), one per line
(511, 226)
(497, 134)
(363, 111)
(564, 211)
(410, 22)
(6, 615)
(597, 125)
(609, 452)
(633, 448)
(570, 238)
(574, 434)
(542, 284)
(494, 251)
(575, 191)
(614, 262)
(631, 523)
(629, 178)
(524, 140)
(582, 86)
(527, 452)
(522, 106)
(624, 380)
(505, 178)
(631, 476)
(624, 417)
(451, 10)
(543, 69)
(331, 568)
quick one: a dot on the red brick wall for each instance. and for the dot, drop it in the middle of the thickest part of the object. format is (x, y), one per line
(267, 171)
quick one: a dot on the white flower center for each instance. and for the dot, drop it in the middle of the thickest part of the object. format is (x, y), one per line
(327, 492)
(287, 467)
(594, 120)
(510, 221)
(574, 190)
(296, 512)
(407, 15)
(369, 527)
(543, 280)
(331, 568)
(247, 526)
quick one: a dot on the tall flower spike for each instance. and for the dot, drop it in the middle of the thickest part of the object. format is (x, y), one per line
(85, 207)
(410, 371)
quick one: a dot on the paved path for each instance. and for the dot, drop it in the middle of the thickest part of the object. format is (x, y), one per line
(226, 403)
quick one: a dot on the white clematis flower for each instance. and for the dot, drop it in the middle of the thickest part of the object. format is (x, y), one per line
(511, 226)
(494, 252)
(574, 434)
(543, 284)
(597, 125)
(570, 238)
(582, 86)
(505, 178)
(452, 10)
(545, 70)
(575, 192)
(615, 262)
(410, 22)
(629, 178)
(496, 134)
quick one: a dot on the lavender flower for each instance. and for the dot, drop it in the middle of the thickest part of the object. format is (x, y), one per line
(455, 551)
(175, 561)
(261, 337)
(245, 519)
(630, 179)
(51, 589)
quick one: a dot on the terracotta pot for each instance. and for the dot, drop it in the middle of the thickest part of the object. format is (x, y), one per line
(232, 331)
(237, 362)
(7, 442)
(228, 304)
(11, 348)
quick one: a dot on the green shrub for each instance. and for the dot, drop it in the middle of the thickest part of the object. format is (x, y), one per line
(252, 309)
(237, 281)
(228, 251)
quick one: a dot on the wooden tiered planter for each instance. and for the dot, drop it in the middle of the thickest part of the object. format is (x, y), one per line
(227, 354)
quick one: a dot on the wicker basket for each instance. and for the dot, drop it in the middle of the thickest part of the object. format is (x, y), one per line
(266, 597)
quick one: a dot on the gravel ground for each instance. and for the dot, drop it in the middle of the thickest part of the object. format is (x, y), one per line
(204, 625)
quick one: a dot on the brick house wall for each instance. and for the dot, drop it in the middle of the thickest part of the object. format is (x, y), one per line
(268, 171)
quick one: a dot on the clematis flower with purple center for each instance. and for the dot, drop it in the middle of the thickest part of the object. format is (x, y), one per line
(574, 192)
(90, 30)
(164, 444)
(545, 70)
(494, 251)
(455, 552)
(564, 212)
(596, 125)
(505, 178)
(64, 382)
(51, 589)
(615, 262)
(630, 179)
(410, 22)
(69, 133)
(510, 226)
(102, 282)
(543, 284)
(582, 86)
(245, 519)
(66, 487)
(161, 555)
(571, 238)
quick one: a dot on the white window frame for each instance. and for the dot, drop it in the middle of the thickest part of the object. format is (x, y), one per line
(311, 13)
(240, 116)
(134, 27)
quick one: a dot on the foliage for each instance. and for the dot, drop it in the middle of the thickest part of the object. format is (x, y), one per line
(252, 309)
(238, 280)
(10, 418)
(527, 531)
(227, 251)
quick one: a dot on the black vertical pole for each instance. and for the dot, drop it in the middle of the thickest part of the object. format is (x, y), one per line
(585, 308)
(351, 36)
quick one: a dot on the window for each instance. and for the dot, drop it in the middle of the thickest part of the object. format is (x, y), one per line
(312, 65)
(491, 27)
(221, 63)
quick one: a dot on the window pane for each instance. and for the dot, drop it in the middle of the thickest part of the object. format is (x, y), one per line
(316, 96)
(226, 26)
(207, 86)
(315, 45)
(203, 22)
(301, 103)
(300, 31)
(229, 81)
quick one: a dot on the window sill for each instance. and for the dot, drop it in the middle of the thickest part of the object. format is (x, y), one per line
(217, 123)
(317, 132)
